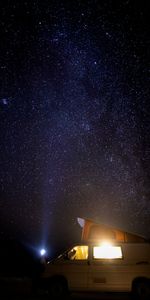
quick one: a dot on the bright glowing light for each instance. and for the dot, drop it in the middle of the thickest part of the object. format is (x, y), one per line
(105, 244)
(107, 251)
(42, 252)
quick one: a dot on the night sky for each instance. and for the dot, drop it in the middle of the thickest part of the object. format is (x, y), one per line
(74, 118)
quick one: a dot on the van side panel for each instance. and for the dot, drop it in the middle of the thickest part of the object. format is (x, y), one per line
(118, 275)
(115, 277)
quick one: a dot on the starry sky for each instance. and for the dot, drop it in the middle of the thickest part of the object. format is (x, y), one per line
(74, 117)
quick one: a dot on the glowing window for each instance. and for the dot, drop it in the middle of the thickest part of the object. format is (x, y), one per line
(78, 252)
(107, 251)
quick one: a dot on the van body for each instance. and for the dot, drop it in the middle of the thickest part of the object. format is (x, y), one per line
(99, 267)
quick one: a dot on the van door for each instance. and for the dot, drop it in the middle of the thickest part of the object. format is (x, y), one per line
(107, 272)
(76, 267)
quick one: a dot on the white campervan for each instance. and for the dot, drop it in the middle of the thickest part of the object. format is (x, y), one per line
(104, 266)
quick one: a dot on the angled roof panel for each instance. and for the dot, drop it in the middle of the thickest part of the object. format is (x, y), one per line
(98, 231)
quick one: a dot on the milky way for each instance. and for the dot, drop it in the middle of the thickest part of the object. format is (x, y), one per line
(74, 117)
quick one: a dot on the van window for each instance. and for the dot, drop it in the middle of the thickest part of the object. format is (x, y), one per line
(107, 251)
(78, 252)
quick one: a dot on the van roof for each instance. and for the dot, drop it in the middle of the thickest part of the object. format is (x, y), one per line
(92, 230)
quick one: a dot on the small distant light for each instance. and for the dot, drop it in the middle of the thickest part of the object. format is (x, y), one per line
(43, 252)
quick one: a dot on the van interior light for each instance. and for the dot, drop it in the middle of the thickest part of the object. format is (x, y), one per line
(105, 244)
(107, 251)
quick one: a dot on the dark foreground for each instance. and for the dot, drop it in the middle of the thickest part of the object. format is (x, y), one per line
(24, 292)
(100, 296)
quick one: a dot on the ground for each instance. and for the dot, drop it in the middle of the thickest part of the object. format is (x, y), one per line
(21, 289)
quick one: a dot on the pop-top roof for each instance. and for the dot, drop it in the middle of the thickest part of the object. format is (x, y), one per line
(92, 230)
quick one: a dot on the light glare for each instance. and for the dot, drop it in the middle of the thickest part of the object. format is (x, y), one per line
(107, 251)
(43, 252)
